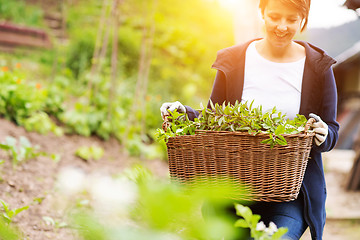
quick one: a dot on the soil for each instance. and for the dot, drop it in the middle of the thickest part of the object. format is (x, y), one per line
(32, 183)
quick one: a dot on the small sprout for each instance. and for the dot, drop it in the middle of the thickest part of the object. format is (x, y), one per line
(88, 153)
(8, 214)
(54, 223)
(38, 200)
(48, 221)
(20, 150)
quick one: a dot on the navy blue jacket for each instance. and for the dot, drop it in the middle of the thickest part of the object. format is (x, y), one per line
(318, 95)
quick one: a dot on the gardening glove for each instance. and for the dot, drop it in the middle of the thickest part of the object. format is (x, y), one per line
(320, 128)
(171, 106)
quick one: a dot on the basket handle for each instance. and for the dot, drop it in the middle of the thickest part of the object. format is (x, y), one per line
(309, 123)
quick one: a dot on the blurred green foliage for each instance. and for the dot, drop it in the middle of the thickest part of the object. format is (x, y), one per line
(90, 153)
(17, 11)
(9, 232)
(161, 210)
(28, 103)
(153, 209)
(187, 35)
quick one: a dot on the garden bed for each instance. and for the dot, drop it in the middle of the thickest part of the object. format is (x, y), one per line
(32, 183)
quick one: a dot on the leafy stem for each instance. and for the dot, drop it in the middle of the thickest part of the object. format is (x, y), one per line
(238, 117)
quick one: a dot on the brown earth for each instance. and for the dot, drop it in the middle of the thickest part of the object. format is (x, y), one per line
(32, 183)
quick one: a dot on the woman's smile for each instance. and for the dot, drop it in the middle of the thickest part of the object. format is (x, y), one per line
(280, 34)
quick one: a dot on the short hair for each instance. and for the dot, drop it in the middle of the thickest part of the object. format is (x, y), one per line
(302, 5)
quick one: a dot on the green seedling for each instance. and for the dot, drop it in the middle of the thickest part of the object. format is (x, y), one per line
(8, 214)
(88, 153)
(22, 150)
(54, 223)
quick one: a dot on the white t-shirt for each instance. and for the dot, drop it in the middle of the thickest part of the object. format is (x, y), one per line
(272, 84)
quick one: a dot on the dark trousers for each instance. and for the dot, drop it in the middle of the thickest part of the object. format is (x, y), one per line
(283, 214)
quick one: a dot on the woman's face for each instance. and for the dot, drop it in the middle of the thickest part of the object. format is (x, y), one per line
(281, 23)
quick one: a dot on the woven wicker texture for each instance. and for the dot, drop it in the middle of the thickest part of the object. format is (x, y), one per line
(273, 175)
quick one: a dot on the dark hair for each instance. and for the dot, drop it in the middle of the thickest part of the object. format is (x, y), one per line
(302, 5)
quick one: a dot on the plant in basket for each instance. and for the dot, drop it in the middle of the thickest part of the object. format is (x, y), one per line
(240, 117)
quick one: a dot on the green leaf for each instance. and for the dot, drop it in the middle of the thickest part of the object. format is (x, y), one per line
(281, 140)
(280, 130)
(255, 219)
(7, 218)
(97, 152)
(211, 104)
(5, 205)
(267, 141)
(280, 232)
(10, 141)
(19, 210)
(55, 157)
(244, 212)
(5, 147)
(48, 220)
(241, 223)
(221, 120)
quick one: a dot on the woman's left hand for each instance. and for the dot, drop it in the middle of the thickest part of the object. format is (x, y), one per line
(320, 128)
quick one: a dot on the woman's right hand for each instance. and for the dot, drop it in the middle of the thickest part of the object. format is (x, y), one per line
(171, 106)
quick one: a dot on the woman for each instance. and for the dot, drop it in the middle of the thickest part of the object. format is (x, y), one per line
(296, 77)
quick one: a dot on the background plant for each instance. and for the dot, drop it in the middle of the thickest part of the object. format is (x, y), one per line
(8, 232)
(18, 100)
(28, 103)
(8, 213)
(88, 102)
(89, 153)
(137, 205)
(22, 150)
(19, 12)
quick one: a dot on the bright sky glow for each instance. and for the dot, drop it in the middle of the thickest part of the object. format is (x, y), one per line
(323, 13)
(329, 13)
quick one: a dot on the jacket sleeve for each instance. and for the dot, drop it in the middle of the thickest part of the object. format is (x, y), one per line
(218, 94)
(192, 113)
(328, 112)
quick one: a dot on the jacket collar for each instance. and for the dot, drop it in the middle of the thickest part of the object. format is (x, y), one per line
(319, 60)
(228, 59)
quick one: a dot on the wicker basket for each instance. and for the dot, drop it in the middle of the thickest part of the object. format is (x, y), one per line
(272, 175)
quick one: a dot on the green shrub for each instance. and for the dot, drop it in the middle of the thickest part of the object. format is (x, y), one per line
(18, 11)
(18, 99)
(29, 104)
(80, 52)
